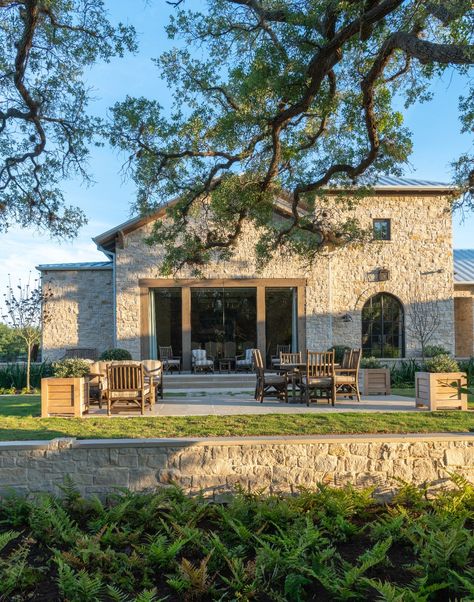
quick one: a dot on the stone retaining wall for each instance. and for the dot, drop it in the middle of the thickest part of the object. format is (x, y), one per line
(215, 466)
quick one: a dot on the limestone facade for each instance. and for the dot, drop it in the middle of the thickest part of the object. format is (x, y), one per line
(418, 256)
(80, 311)
(215, 466)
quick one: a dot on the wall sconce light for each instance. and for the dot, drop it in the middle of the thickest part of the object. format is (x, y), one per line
(346, 318)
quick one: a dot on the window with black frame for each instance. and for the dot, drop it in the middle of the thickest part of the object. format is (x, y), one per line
(383, 327)
(382, 229)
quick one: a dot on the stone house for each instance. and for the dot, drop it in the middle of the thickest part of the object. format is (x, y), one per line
(464, 301)
(360, 295)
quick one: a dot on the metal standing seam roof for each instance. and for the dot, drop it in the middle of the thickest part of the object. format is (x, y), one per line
(64, 267)
(381, 183)
(463, 265)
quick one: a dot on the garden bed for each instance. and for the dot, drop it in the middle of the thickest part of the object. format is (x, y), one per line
(323, 545)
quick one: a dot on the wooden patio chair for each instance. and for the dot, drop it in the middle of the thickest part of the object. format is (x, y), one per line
(347, 377)
(126, 387)
(154, 371)
(268, 384)
(293, 374)
(275, 359)
(97, 382)
(169, 361)
(319, 376)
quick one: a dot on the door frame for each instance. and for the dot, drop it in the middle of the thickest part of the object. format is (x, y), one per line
(186, 284)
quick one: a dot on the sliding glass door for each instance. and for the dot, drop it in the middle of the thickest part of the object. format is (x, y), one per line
(224, 320)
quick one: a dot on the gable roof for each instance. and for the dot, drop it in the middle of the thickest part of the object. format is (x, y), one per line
(463, 266)
(106, 240)
(66, 267)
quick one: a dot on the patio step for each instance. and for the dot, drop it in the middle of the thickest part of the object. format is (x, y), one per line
(209, 381)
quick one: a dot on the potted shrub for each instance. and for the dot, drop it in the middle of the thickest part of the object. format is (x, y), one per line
(66, 393)
(116, 354)
(441, 385)
(374, 379)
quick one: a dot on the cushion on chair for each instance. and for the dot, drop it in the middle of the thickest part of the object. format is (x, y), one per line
(243, 362)
(317, 381)
(133, 394)
(205, 362)
(341, 379)
(274, 379)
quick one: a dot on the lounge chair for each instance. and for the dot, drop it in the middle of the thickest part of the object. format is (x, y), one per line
(201, 362)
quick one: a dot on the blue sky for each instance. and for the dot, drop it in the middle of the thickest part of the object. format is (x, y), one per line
(435, 128)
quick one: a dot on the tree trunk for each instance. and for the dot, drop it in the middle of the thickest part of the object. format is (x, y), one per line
(28, 367)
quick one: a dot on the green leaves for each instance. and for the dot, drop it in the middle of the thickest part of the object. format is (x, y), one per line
(165, 546)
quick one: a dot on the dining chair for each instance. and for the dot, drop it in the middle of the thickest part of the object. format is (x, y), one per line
(319, 377)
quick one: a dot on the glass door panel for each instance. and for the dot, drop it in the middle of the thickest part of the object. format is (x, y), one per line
(223, 320)
(281, 319)
(167, 318)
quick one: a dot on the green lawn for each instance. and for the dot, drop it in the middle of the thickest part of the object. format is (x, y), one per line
(19, 421)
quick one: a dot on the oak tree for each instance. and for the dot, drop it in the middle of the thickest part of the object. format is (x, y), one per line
(284, 98)
(45, 130)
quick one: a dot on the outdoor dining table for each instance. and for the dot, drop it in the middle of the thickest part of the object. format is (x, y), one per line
(293, 370)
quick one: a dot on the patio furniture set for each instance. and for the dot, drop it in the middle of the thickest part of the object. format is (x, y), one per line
(318, 377)
(220, 356)
(126, 384)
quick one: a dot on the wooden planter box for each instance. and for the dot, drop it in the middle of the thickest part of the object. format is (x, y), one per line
(64, 397)
(375, 381)
(439, 391)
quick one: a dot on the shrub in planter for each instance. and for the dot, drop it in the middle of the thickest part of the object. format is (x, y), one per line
(441, 363)
(434, 350)
(71, 368)
(374, 377)
(116, 354)
(441, 385)
(370, 362)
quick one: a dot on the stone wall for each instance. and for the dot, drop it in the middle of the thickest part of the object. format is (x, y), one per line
(464, 319)
(80, 311)
(215, 466)
(419, 258)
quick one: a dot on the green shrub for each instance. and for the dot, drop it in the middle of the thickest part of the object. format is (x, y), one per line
(322, 544)
(402, 374)
(116, 354)
(13, 376)
(441, 363)
(370, 362)
(71, 368)
(467, 366)
(339, 352)
(434, 350)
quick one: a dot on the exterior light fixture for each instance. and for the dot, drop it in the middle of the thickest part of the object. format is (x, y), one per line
(346, 318)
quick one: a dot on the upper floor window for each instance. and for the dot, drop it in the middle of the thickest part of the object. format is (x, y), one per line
(381, 228)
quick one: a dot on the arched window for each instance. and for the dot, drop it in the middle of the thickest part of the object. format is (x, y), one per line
(383, 332)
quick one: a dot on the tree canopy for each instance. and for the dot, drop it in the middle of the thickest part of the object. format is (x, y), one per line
(284, 98)
(45, 131)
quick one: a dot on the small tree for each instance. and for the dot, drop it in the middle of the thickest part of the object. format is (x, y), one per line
(424, 318)
(24, 313)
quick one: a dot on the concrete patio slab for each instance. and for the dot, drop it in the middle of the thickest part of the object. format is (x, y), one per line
(225, 403)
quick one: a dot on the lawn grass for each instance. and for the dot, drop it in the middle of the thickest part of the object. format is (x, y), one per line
(19, 420)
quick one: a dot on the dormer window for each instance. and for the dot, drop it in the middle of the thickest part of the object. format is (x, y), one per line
(381, 229)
